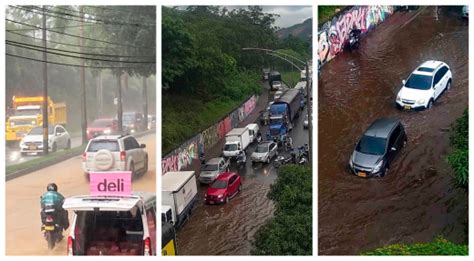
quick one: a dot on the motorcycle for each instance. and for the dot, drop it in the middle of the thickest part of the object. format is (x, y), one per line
(282, 160)
(354, 38)
(241, 162)
(259, 139)
(51, 229)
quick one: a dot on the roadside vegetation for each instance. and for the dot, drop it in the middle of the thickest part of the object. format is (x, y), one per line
(289, 232)
(206, 74)
(325, 13)
(459, 158)
(439, 247)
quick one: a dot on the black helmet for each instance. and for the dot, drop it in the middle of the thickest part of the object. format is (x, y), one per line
(52, 187)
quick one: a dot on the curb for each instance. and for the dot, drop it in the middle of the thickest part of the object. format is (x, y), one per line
(60, 158)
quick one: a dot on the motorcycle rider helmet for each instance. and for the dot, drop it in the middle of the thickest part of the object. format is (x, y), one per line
(52, 187)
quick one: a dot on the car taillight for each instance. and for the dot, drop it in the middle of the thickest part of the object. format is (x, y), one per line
(84, 156)
(123, 155)
(69, 246)
(147, 247)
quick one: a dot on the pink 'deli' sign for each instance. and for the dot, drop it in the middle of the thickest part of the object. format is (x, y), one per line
(114, 183)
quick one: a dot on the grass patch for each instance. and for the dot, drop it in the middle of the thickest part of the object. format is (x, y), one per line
(325, 13)
(51, 157)
(440, 247)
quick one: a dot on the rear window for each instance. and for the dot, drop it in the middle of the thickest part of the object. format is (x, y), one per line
(111, 145)
(109, 233)
(101, 123)
(424, 69)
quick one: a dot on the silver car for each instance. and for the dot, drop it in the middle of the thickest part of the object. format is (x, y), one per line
(265, 152)
(212, 169)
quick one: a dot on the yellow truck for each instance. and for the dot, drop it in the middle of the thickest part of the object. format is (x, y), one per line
(28, 113)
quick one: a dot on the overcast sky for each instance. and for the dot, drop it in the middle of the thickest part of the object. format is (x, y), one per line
(289, 15)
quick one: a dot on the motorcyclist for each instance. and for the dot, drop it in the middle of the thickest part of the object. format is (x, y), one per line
(202, 158)
(289, 143)
(242, 157)
(293, 157)
(259, 136)
(53, 198)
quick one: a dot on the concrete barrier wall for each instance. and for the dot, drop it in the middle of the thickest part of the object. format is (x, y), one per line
(334, 34)
(186, 156)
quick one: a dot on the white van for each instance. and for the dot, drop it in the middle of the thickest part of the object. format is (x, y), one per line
(253, 130)
(112, 225)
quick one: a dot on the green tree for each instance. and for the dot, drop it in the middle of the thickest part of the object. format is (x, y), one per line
(459, 158)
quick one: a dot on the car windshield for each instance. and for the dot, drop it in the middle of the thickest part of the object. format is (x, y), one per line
(39, 130)
(418, 81)
(27, 112)
(210, 167)
(219, 184)
(276, 121)
(101, 123)
(371, 145)
(111, 145)
(262, 148)
(230, 147)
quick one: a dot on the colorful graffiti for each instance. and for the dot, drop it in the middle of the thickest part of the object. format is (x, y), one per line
(183, 157)
(334, 35)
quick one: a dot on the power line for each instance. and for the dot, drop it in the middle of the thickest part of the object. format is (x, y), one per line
(75, 65)
(59, 27)
(68, 51)
(77, 36)
(61, 43)
(117, 10)
(61, 15)
(39, 49)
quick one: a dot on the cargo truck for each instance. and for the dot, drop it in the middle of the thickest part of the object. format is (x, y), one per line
(273, 76)
(178, 197)
(283, 113)
(236, 140)
(27, 113)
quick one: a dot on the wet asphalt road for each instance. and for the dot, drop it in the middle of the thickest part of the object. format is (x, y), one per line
(229, 229)
(22, 207)
(417, 200)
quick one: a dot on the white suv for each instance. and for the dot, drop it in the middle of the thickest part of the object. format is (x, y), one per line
(424, 86)
(115, 153)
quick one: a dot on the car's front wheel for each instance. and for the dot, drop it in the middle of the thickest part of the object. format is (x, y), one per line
(430, 104)
(448, 87)
(68, 145)
(132, 169)
(227, 199)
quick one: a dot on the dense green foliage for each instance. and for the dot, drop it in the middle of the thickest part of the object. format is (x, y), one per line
(459, 158)
(204, 66)
(289, 232)
(440, 247)
(327, 12)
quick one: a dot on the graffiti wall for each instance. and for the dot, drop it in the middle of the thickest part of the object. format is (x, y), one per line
(334, 34)
(184, 157)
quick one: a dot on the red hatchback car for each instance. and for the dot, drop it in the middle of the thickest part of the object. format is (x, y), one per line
(102, 127)
(226, 186)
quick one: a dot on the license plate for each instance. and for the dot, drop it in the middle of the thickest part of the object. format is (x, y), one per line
(406, 107)
(49, 228)
(361, 174)
(32, 147)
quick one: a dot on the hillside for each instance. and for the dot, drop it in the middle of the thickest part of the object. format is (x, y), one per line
(303, 30)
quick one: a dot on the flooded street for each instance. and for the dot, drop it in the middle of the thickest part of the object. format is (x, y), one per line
(22, 203)
(417, 200)
(229, 229)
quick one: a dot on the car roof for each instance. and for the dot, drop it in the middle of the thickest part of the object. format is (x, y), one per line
(214, 161)
(225, 175)
(107, 203)
(108, 137)
(381, 127)
(424, 68)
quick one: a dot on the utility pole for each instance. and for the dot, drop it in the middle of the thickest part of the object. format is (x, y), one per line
(83, 82)
(45, 88)
(145, 105)
(119, 102)
(308, 107)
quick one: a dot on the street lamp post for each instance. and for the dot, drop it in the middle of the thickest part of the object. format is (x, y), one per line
(308, 86)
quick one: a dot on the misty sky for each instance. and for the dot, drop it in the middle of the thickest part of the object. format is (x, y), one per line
(289, 15)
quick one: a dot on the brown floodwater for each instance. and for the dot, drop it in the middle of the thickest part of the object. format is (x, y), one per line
(417, 200)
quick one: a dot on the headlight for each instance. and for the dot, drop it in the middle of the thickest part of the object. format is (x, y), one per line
(421, 101)
(12, 124)
(107, 131)
(220, 196)
(87, 131)
(378, 166)
(132, 125)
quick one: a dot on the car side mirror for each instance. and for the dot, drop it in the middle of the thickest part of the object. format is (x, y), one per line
(142, 146)
(403, 81)
(394, 149)
(58, 134)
